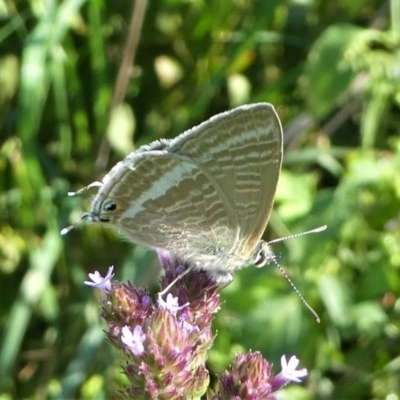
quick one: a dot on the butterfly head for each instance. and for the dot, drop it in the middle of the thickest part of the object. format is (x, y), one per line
(103, 210)
(262, 254)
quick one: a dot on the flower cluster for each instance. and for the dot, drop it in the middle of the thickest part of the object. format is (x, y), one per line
(250, 377)
(165, 342)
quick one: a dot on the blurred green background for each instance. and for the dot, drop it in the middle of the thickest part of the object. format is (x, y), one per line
(71, 106)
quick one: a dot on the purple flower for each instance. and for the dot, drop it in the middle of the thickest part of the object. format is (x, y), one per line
(134, 341)
(289, 369)
(171, 304)
(165, 342)
(250, 377)
(289, 373)
(188, 327)
(99, 282)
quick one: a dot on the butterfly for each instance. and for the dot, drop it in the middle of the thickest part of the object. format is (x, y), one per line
(205, 196)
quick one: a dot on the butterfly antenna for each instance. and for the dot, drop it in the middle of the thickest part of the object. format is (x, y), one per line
(69, 228)
(283, 272)
(180, 276)
(92, 185)
(296, 235)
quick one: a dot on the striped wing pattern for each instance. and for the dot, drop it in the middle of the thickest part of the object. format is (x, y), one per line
(205, 195)
(241, 152)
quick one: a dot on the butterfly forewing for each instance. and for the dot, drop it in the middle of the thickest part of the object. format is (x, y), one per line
(173, 204)
(241, 151)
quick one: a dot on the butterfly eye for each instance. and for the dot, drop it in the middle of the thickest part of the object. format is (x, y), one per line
(109, 206)
(261, 259)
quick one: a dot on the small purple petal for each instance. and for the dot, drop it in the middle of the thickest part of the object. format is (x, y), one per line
(189, 328)
(146, 301)
(180, 269)
(171, 304)
(99, 282)
(289, 372)
(289, 369)
(164, 257)
(134, 341)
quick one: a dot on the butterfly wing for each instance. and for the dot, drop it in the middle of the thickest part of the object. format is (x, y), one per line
(241, 150)
(164, 200)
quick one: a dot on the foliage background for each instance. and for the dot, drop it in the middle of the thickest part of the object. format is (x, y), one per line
(332, 69)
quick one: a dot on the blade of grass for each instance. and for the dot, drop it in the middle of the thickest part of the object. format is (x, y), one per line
(42, 261)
